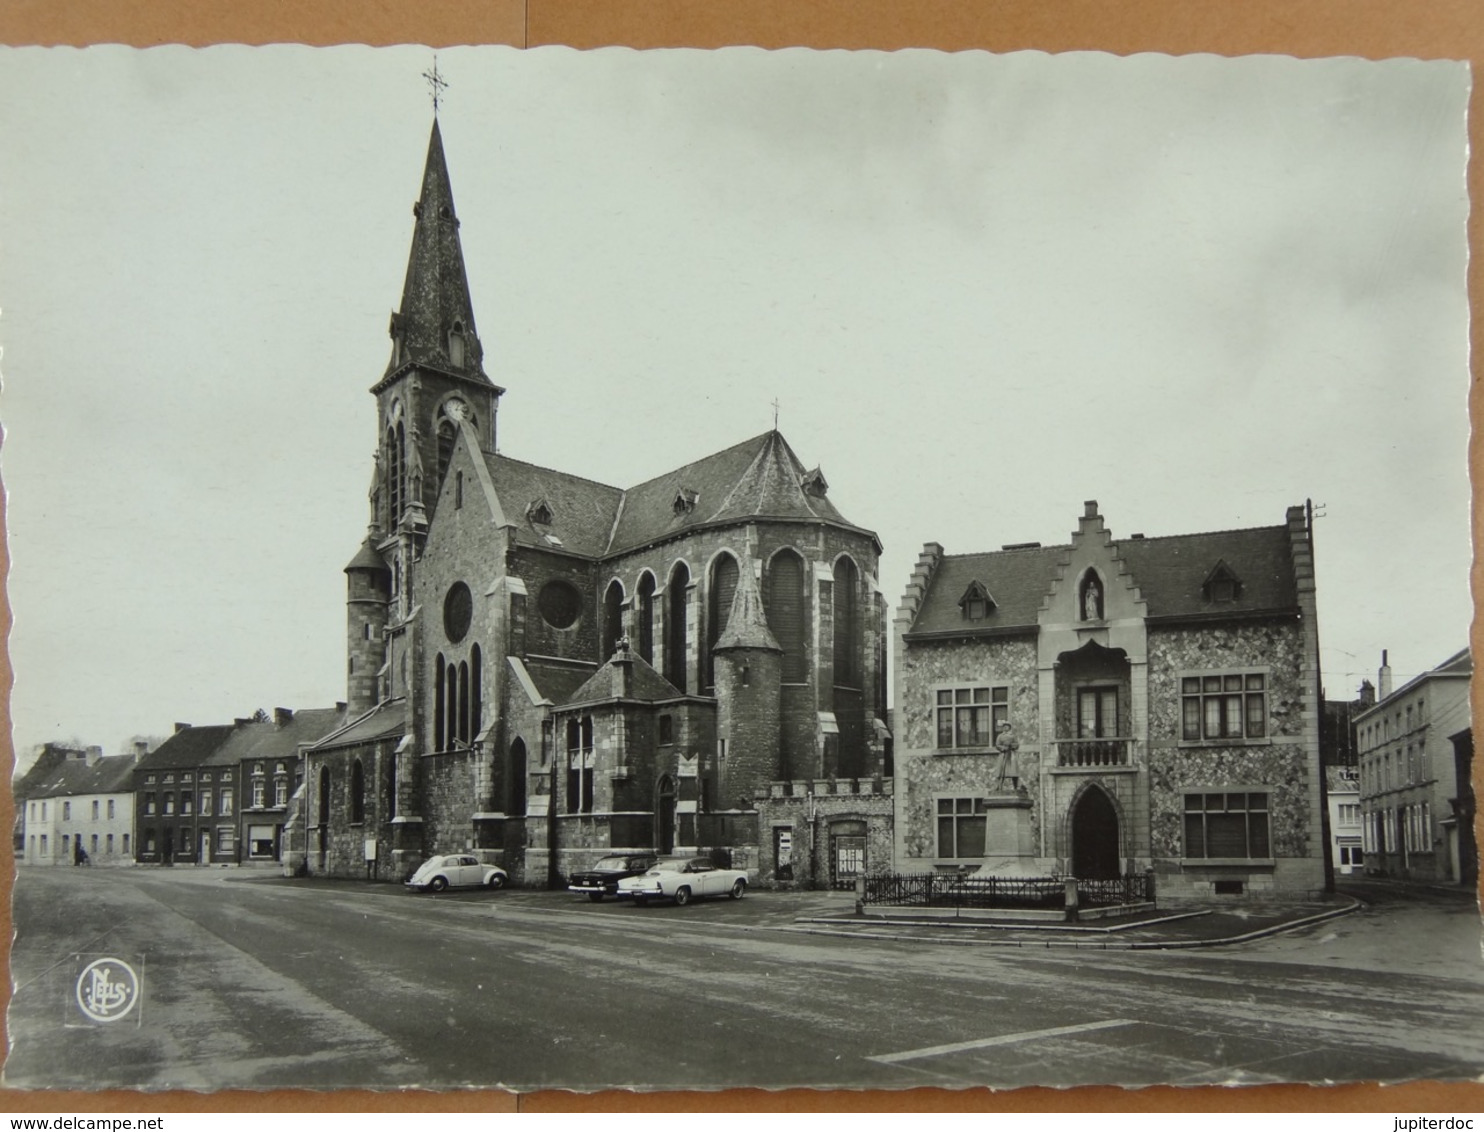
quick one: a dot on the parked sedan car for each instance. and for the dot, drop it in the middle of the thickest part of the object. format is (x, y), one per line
(457, 870)
(602, 879)
(683, 879)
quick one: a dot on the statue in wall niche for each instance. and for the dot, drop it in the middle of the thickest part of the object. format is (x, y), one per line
(1092, 601)
(1006, 743)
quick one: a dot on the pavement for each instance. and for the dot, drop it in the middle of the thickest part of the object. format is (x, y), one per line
(832, 913)
(251, 981)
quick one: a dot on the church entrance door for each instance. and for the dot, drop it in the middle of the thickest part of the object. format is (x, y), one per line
(1095, 836)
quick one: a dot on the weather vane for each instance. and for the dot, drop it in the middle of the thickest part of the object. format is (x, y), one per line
(436, 84)
(775, 414)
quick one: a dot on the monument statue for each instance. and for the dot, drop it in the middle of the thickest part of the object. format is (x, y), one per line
(1006, 743)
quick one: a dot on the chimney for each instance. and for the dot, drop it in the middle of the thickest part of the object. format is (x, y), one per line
(282, 716)
(93, 755)
(1367, 694)
(141, 748)
(179, 727)
(340, 706)
(1090, 509)
(1383, 678)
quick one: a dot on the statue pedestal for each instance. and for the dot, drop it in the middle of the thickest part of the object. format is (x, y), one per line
(1008, 836)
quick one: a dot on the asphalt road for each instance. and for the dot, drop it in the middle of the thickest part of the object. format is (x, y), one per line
(258, 982)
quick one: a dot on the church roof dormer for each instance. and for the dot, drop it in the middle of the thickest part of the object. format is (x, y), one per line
(435, 325)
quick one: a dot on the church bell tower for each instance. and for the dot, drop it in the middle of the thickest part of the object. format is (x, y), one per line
(434, 379)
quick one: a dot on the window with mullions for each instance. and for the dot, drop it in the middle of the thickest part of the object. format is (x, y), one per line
(961, 823)
(1232, 705)
(1227, 826)
(969, 717)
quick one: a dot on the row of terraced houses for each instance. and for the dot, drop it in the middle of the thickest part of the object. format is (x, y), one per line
(542, 669)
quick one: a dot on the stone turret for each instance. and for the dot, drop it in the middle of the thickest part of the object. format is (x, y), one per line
(368, 583)
(749, 670)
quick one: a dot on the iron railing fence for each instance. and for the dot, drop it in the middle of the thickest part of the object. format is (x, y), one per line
(956, 890)
(1132, 888)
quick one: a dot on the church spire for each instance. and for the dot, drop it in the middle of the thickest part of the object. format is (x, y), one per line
(435, 326)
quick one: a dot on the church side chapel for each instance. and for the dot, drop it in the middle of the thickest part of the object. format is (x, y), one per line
(543, 669)
(1113, 707)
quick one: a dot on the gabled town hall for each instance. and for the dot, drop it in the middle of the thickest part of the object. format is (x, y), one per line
(542, 668)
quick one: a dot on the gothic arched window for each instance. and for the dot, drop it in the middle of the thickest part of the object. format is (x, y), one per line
(646, 617)
(439, 734)
(719, 594)
(612, 619)
(675, 627)
(357, 793)
(847, 624)
(787, 614)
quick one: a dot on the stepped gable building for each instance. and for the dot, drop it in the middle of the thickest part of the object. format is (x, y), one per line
(83, 811)
(543, 668)
(1109, 706)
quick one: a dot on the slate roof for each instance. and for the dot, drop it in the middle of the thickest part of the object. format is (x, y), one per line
(607, 683)
(582, 511)
(1337, 782)
(760, 478)
(270, 740)
(1169, 573)
(47, 763)
(757, 479)
(190, 746)
(112, 774)
(557, 684)
(382, 722)
(435, 292)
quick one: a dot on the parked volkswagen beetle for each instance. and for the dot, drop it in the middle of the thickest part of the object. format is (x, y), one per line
(456, 870)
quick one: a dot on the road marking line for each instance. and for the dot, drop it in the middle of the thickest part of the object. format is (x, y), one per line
(1002, 1040)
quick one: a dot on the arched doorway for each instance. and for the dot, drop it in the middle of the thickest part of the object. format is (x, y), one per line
(664, 815)
(1095, 836)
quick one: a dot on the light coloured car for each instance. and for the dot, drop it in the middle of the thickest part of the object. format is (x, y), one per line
(683, 879)
(457, 870)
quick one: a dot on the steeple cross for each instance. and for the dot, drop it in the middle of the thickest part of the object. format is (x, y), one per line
(436, 84)
(775, 414)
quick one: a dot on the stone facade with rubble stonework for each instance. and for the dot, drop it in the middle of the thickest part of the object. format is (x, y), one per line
(1164, 695)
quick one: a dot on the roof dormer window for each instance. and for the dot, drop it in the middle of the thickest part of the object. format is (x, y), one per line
(539, 511)
(456, 344)
(685, 501)
(815, 484)
(976, 604)
(1221, 584)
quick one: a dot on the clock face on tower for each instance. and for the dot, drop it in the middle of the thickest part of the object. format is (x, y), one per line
(456, 409)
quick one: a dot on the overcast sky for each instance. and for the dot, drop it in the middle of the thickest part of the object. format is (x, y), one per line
(982, 288)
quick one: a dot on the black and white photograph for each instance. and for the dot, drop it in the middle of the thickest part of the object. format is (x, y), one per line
(679, 569)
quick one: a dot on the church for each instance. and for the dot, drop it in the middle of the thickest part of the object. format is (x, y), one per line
(542, 669)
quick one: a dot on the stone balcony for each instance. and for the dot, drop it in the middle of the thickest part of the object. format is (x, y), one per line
(1094, 754)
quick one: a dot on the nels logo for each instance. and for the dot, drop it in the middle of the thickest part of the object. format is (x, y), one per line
(107, 990)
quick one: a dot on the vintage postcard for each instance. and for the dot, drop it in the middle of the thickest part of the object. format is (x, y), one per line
(687, 570)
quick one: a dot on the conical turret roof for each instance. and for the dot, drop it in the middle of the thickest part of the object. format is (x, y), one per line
(435, 325)
(747, 624)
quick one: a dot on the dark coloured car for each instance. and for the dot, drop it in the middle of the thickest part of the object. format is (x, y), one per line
(602, 879)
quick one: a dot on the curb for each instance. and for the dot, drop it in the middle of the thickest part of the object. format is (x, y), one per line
(1102, 945)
